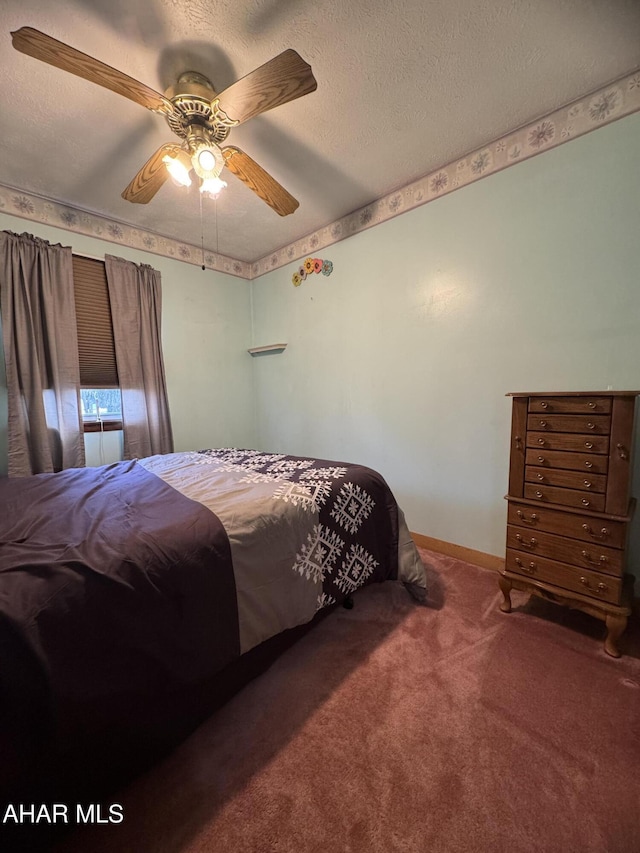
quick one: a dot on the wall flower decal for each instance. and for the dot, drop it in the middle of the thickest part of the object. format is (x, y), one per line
(309, 267)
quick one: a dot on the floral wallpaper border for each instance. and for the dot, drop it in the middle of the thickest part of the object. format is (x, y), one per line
(602, 107)
(598, 109)
(49, 212)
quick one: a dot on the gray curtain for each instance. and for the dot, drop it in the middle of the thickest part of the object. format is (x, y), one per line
(41, 354)
(136, 307)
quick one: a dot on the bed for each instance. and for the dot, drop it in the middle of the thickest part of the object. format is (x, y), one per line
(126, 588)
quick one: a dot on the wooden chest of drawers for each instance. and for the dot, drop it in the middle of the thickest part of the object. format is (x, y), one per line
(569, 503)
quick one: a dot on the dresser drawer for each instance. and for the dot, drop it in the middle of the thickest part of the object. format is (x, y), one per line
(598, 530)
(596, 425)
(587, 462)
(566, 479)
(573, 405)
(583, 581)
(581, 554)
(565, 497)
(567, 441)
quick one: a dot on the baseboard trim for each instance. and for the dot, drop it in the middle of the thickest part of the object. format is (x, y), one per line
(468, 555)
(479, 558)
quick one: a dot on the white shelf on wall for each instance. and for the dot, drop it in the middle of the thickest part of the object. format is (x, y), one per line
(270, 348)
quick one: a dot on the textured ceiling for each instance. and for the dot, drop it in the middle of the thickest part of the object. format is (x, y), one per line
(403, 88)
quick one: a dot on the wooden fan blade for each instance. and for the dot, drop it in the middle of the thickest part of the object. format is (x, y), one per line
(259, 181)
(284, 78)
(151, 177)
(50, 50)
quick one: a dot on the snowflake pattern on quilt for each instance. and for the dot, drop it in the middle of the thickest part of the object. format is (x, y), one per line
(311, 496)
(332, 473)
(324, 600)
(232, 459)
(342, 551)
(318, 557)
(356, 567)
(287, 467)
(352, 506)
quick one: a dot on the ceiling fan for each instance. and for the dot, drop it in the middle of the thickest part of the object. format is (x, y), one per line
(197, 114)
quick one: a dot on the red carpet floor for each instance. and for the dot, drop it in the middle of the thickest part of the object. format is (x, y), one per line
(395, 727)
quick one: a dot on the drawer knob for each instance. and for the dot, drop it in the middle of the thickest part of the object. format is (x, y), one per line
(543, 424)
(538, 493)
(541, 459)
(540, 476)
(588, 464)
(588, 445)
(544, 404)
(541, 441)
(589, 559)
(591, 426)
(587, 484)
(530, 569)
(526, 520)
(604, 533)
(602, 587)
(592, 405)
(530, 544)
(585, 502)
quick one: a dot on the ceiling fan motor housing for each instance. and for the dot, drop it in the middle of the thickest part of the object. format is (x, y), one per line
(196, 104)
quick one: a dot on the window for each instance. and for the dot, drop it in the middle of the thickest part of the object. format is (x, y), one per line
(101, 404)
(99, 385)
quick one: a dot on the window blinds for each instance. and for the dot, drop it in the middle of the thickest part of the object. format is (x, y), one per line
(95, 331)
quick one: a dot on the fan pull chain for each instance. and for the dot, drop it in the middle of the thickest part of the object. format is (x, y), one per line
(201, 232)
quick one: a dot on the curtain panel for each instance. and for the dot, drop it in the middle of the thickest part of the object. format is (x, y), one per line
(41, 356)
(136, 308)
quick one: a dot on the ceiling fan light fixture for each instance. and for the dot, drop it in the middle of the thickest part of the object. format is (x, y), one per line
(179, 167)
(212, 186)
(207, 160)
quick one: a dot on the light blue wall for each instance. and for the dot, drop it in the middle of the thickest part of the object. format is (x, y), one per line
(401, 359)
(206, 329)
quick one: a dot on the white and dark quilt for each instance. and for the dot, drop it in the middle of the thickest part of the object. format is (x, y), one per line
(304, 533)
(124, 587)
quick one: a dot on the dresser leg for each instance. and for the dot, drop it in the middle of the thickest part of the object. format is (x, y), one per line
(615, 627)
(505, 586)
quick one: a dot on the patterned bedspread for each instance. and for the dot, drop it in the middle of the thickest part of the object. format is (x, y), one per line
(125, 587)
(304, 533)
